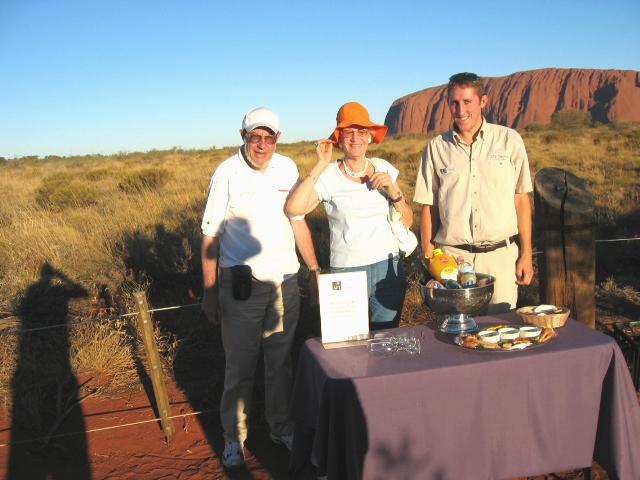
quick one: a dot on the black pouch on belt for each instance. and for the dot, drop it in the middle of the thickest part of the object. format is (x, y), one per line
(241, 282)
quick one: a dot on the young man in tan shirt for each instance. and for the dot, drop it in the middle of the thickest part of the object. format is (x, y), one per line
(474, 184)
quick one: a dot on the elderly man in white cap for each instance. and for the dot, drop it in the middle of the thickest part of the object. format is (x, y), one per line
(249, 267)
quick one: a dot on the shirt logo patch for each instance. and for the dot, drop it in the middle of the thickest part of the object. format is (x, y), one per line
(498, 157)
(447, 170)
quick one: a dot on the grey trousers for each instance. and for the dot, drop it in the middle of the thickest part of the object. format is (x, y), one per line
(268, 319)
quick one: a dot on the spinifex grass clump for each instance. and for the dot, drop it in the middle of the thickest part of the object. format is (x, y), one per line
(59, 192)
(151, 178)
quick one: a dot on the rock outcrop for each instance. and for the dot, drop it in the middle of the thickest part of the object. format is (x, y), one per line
(527, 97)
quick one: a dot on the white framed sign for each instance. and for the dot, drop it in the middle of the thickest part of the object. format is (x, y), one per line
(344, 306)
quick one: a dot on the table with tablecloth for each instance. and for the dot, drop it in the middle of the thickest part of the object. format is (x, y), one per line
(455, 413)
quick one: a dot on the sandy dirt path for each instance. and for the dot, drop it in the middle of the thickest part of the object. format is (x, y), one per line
(137, 451)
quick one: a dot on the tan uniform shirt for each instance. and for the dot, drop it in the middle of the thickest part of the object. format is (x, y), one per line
(474, 185)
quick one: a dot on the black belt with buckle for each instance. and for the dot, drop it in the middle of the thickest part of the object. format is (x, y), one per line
(487, 247)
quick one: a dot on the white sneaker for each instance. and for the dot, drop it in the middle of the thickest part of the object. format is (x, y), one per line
(286, 440)
(233, 456)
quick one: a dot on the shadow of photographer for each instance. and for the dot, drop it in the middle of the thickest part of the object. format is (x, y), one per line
(45, 391)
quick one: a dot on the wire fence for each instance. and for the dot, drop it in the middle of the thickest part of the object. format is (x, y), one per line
(160, 392)
(113, 318)
(190, 305)
(101, 429)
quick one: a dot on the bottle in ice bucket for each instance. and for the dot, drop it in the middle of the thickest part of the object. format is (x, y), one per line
(466, 273)
(434, 284)
(451, 284)
(442, 266)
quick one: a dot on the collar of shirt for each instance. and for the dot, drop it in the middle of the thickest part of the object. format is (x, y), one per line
(481, 132)
(245, 162)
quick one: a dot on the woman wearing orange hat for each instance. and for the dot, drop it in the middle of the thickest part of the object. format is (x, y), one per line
(356, 192)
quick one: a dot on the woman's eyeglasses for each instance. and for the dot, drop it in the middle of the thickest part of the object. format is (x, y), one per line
(360, 132)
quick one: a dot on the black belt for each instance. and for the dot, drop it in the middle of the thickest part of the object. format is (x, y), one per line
(487, 247)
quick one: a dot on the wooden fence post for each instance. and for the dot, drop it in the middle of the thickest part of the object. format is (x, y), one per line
(145, 329)
(564, 227)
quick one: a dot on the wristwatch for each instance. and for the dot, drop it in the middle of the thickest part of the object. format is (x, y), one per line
(396, 200)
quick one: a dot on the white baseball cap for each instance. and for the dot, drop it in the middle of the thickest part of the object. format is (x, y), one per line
(261, 117)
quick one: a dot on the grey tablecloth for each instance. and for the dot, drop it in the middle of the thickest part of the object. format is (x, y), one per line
(454, 413)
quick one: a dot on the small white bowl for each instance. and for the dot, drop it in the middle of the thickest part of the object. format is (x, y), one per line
(545, 309)
(489, 336)
(530, 331)
(508, 333)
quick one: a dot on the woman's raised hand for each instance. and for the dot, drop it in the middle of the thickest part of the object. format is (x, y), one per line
(382, 181)
(324, 150)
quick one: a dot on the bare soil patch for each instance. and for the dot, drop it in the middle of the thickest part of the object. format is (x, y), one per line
(139, 451)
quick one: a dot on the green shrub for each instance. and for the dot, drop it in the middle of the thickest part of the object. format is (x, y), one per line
(552, 138)
(152, 178)
(570, 119)
(535, 127)
(58, 193)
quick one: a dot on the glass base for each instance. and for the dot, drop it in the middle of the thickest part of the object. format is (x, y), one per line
(456, 323)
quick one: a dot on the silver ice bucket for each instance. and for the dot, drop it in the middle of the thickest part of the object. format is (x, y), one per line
(455, 308)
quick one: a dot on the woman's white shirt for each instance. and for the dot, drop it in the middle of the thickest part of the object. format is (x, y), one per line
(360, 233)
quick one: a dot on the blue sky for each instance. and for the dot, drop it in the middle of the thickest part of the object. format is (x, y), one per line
(81, 77)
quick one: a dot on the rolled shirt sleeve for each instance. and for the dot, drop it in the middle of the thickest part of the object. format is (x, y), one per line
(426, 181)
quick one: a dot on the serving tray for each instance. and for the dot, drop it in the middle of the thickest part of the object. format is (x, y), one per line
(501, 346)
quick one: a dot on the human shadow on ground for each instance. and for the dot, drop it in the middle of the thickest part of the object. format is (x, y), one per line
(45, 391)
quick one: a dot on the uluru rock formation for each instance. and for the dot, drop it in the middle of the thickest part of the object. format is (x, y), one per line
(527, 97)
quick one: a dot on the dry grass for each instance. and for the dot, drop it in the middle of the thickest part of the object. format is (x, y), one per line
(106, 348)
(609, 290)
(147, 233)
(607, 157)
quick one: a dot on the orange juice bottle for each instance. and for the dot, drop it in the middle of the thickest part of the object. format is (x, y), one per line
(442, 266)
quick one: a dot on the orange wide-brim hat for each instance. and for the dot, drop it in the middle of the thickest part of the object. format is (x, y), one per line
(351, 114)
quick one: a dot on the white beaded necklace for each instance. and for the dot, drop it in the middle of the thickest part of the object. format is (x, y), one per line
(353, 174)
